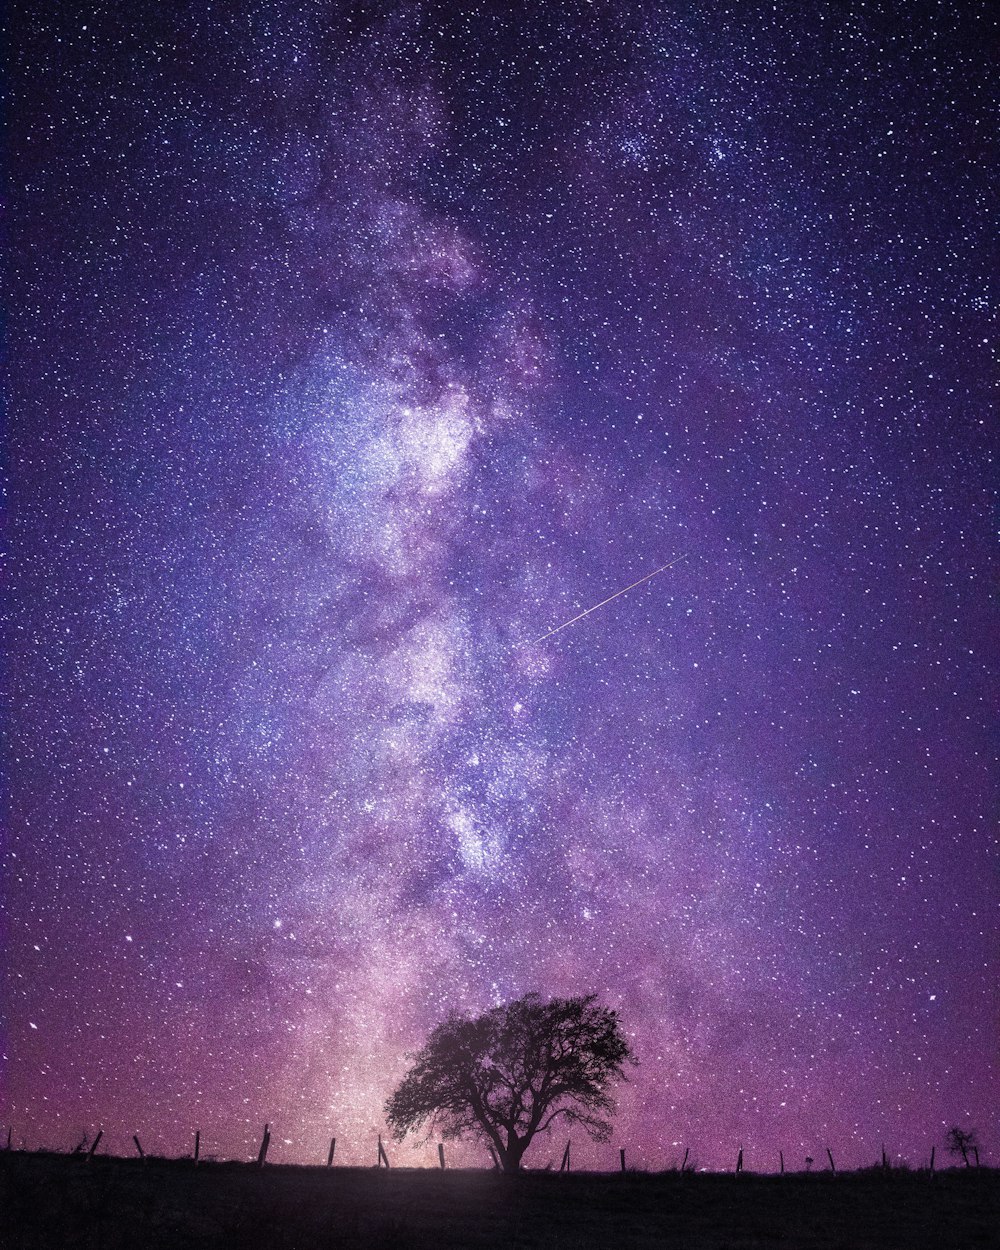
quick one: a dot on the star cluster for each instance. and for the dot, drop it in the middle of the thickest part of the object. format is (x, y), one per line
(357, 347)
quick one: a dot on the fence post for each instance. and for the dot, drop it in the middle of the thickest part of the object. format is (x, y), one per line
(383, 1158)
(333, 1147)
(138, 1146)
(781, 1160)
(95, 1143)
(684, 1161)
(564, 1166)
(739, 1162)
(197, 1144)
(441, 1155)
(621, 1156)
(265, 1142)
(833, 1166)
(933, 1148)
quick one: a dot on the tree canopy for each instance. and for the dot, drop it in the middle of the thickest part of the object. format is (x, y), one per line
(961, 1141)
(512, 1072)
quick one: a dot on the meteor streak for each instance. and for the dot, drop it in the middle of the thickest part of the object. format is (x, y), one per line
(624, 591)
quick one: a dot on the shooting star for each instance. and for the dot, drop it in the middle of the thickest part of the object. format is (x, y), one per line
(624, 591)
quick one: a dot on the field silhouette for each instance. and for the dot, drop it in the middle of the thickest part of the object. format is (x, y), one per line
(51, 1200)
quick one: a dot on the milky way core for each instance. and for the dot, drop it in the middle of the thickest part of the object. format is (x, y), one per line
(353, 348)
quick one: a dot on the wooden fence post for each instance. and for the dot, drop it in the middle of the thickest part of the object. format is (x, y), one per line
(197, 1144)
(265, 1142)
(138, 1146)
(333, 1147)
(383, 1158)
(684, 1161)
(885, 1161)
(95, 1143)
(975, 1153)
(564, 1166)
(933, 1148)
(833, 1166)
(781, 1160)
(621, 1156)
(739, 1162)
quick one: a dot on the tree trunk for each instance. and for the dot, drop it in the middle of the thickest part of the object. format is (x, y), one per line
(510, 1157)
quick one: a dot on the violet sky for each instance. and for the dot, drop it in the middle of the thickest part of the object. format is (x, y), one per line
(353, 348)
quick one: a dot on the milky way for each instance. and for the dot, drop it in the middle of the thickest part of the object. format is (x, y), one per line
(355, 348)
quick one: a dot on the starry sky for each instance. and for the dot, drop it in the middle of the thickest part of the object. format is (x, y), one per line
(353, 348)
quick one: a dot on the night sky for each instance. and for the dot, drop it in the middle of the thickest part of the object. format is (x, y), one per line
(352, 349)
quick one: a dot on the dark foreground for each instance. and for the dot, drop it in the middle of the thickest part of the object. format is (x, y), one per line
(57, 1200)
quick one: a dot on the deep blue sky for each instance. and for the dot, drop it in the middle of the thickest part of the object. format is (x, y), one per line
(353, 348)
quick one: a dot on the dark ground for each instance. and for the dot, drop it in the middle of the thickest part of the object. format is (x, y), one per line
(63, 1201)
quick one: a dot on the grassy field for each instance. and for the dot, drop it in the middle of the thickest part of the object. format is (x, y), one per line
(51, 1200)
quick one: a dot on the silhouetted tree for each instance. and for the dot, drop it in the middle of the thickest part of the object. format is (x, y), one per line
(511, 1072)
(961, 1141)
